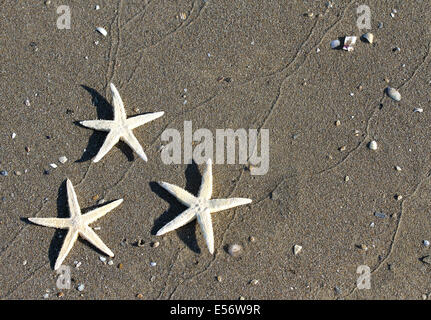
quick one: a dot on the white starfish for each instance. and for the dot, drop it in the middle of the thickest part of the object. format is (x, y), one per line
(200, 207)
(120, 127)
(77, 224)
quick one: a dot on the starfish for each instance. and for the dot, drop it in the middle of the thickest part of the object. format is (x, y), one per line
(77, 224)
(120, 127)
(200, 207)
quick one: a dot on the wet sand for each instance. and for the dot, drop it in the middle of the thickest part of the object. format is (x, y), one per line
(279, 81)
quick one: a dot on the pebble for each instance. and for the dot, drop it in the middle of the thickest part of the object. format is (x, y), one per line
(297, 249)
(27, 102)
(398, 168)
(346, 178)
(153, 264)
(13, 135)
(60, 294)
(380, 215)
(252, 239)
(372, 224)
(46, 296)
(53, 165)
(183, 16)
(110, 262)
(62, 159)
(335, 44)
(420, 110)
(155, 244)
(338, 123)
(234, 250)
(372, 145)
(103, 259)
(219, 278)
(398, 197)
(140, 242)
(4, 173)
(140, 296)
(97, 7)
(81, 287)
(380, 25)
(426, 243)
(393, 93)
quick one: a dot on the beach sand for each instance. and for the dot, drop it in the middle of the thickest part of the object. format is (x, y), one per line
(244, 64)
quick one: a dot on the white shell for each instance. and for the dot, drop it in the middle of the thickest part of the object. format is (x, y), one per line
(296, 249)
(349, 42)
(420, 110)
(372, 145)
(369, 37)
(335, 44)
(393, 93)
(102, 31)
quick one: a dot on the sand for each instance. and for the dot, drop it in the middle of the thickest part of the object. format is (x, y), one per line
(278, 81)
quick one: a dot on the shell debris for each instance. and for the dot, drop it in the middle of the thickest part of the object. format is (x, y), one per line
(102, 31)
(349, 41)
(393, 93)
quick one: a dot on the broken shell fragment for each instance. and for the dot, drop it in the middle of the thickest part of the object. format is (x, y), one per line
(349, 42)
(102, 31)
(393, 93)
(369, 37)
(372, 145)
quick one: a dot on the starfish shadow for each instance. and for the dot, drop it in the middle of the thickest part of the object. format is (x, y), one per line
(104, 111)
(192, 185)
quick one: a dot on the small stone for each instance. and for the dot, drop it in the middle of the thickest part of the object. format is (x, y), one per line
(335, 44)
(110, 262)
(97, 7)
(140, 243)
(13, 135)
(53, 165)
(398, 168)
(102, 31)
(155, 244)
(24, 262)
(120, 266)
(426, 243)
(46, 296)
(153, 264)
(4, 173)
(18, 173)
(95, 197)
(372, 224)
(343, 148)
(420, 110)
(338, 123)
(369, 37)
(241, 298)
(234, 250)
(297, 249)
(60, 294)
(183, 16)
(380, 25)
(47, 2)
(372, 145)
(27, 149)
(380, 215)
(219, 278)
(424, 297)
(103, 259)
(346, 178)
(81, 287)
(62, 159)
(252, 239)
(337, 290)
(140, 296)
(27, 102)
(393, 93)
(398, 197)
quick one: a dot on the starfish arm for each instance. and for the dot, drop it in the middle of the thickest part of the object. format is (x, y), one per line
(88, 234)
(182, 195)
(59, 223)
(110, 141)
(206, 188)
(92, 216)
(223, 204)
(137, 121)
(101, 125)
(204, 219)
(68, 242)
(72, 200)
(178, 222)
(133, 143)
(119, 112)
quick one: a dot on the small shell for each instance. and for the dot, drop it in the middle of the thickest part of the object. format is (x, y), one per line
(349, 42)
(102, 31)
(297, 249)
(372, 145)
(420, 110)
(335, 44)
(369, 37)
(393, 93)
